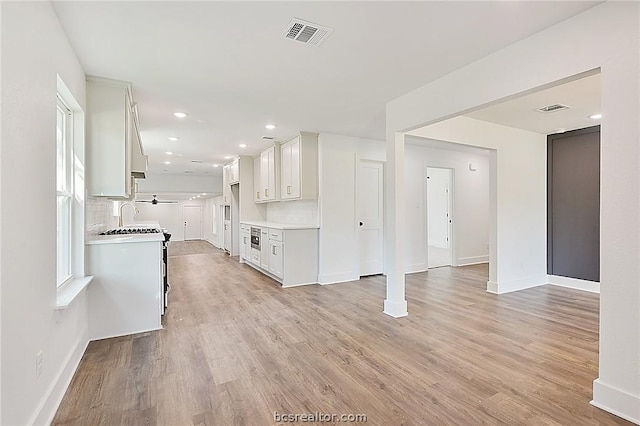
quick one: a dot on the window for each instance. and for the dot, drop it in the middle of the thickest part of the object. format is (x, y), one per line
(64, 186)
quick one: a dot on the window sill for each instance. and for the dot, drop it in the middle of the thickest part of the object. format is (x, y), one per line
(68, 291)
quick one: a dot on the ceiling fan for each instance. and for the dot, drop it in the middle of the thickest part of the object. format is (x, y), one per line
(155, 201)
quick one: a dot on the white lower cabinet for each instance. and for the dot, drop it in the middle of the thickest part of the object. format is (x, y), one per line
(276, 258)
(290, 256)
(245, 243)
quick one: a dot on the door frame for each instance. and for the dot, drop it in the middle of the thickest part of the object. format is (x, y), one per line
(358, 161)
(452, 228)
(199, 206)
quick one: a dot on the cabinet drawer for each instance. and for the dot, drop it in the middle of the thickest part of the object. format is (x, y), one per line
(275, 234)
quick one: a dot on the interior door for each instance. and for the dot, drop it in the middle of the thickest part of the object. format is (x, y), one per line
(370, 196)
(439, 220)
(192, 218)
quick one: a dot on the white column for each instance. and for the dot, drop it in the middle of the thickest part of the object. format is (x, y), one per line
(395, 304)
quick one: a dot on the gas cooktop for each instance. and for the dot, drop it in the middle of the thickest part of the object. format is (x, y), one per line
(122, 231)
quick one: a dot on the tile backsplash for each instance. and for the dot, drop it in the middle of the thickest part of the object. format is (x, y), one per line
(302, 212)
(99, 215)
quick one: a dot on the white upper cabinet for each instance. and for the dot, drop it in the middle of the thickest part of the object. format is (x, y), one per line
(256, 180)
(110, 129)
(226, 185)
(234, 172)
(299, 167)
(267, 189)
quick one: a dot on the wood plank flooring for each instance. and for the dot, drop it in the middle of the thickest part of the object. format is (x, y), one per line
(237, 348)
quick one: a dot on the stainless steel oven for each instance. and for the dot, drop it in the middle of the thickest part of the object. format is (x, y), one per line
(255, 238)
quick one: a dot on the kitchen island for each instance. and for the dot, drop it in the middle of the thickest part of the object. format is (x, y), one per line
(126, 295)
(288, 253)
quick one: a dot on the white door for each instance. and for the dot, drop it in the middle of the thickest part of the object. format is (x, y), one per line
(439, 220)
(370, 196)
(192, 218)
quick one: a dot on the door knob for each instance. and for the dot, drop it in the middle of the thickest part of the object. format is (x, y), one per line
(361, 223)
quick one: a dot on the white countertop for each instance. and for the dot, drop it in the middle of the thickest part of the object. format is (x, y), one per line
(129, 238)
(275, 225)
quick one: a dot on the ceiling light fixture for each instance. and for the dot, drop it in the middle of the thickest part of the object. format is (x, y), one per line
(169, 153)
(167, 162)
(596, 116)
(270, 126)
(216, 165)
(180, 114)
(204, 193)
(227, 157)
(243, 145)
(173, 138)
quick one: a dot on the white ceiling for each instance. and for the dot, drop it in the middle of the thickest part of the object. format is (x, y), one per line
(227, 65)
(581, 96)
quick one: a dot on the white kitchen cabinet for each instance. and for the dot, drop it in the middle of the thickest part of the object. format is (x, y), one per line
(114, 149)
(264, 246)
(226, 185)
(227, 236)
(245, 243)
(276, 251)
(266, 173)
(288, 253)
(299, 167)
(234, 172)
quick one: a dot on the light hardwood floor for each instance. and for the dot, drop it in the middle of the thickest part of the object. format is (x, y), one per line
(236, 348)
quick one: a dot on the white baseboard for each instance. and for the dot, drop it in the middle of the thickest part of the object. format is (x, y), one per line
(502, 287)
(340, 277)
(415, 268)
(51, 401)
(616, 401)
(395, 309)
(590, 286)
(472, 260)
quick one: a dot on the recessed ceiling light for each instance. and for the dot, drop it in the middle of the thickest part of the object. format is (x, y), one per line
(204, 193)
(596, 116)
(180, 114)
(270, 126)
(227, 157)
(169, 153)
(173, 138)
(167, 162)
(243, 145)
(197, 196)
(216, 165)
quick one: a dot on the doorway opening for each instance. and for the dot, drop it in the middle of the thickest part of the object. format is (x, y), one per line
(439, 217)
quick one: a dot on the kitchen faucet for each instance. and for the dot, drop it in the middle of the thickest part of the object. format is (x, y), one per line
(120, 220)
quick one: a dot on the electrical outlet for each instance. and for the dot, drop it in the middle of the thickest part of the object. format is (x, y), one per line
(38, 363)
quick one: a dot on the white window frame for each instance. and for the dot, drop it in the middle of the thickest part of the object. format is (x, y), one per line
(64, 191)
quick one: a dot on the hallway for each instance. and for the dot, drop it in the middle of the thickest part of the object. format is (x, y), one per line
(237, 348)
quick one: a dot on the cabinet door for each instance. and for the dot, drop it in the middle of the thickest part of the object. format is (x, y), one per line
(276, 257)
(244, 246)
(256, 180)
(264, 246)
(264, 176)
(290, 167)
(234, 172)
(226, 188)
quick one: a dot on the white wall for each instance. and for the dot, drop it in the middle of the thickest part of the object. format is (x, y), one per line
(34, 50)
(339, 156)
(211, 233)
(168, 215)
(470, 205)
(167, 184)
(606, 37)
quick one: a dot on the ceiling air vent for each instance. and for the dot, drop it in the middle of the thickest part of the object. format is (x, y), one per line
(552, 108)
(307, 32)
(268, 138)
